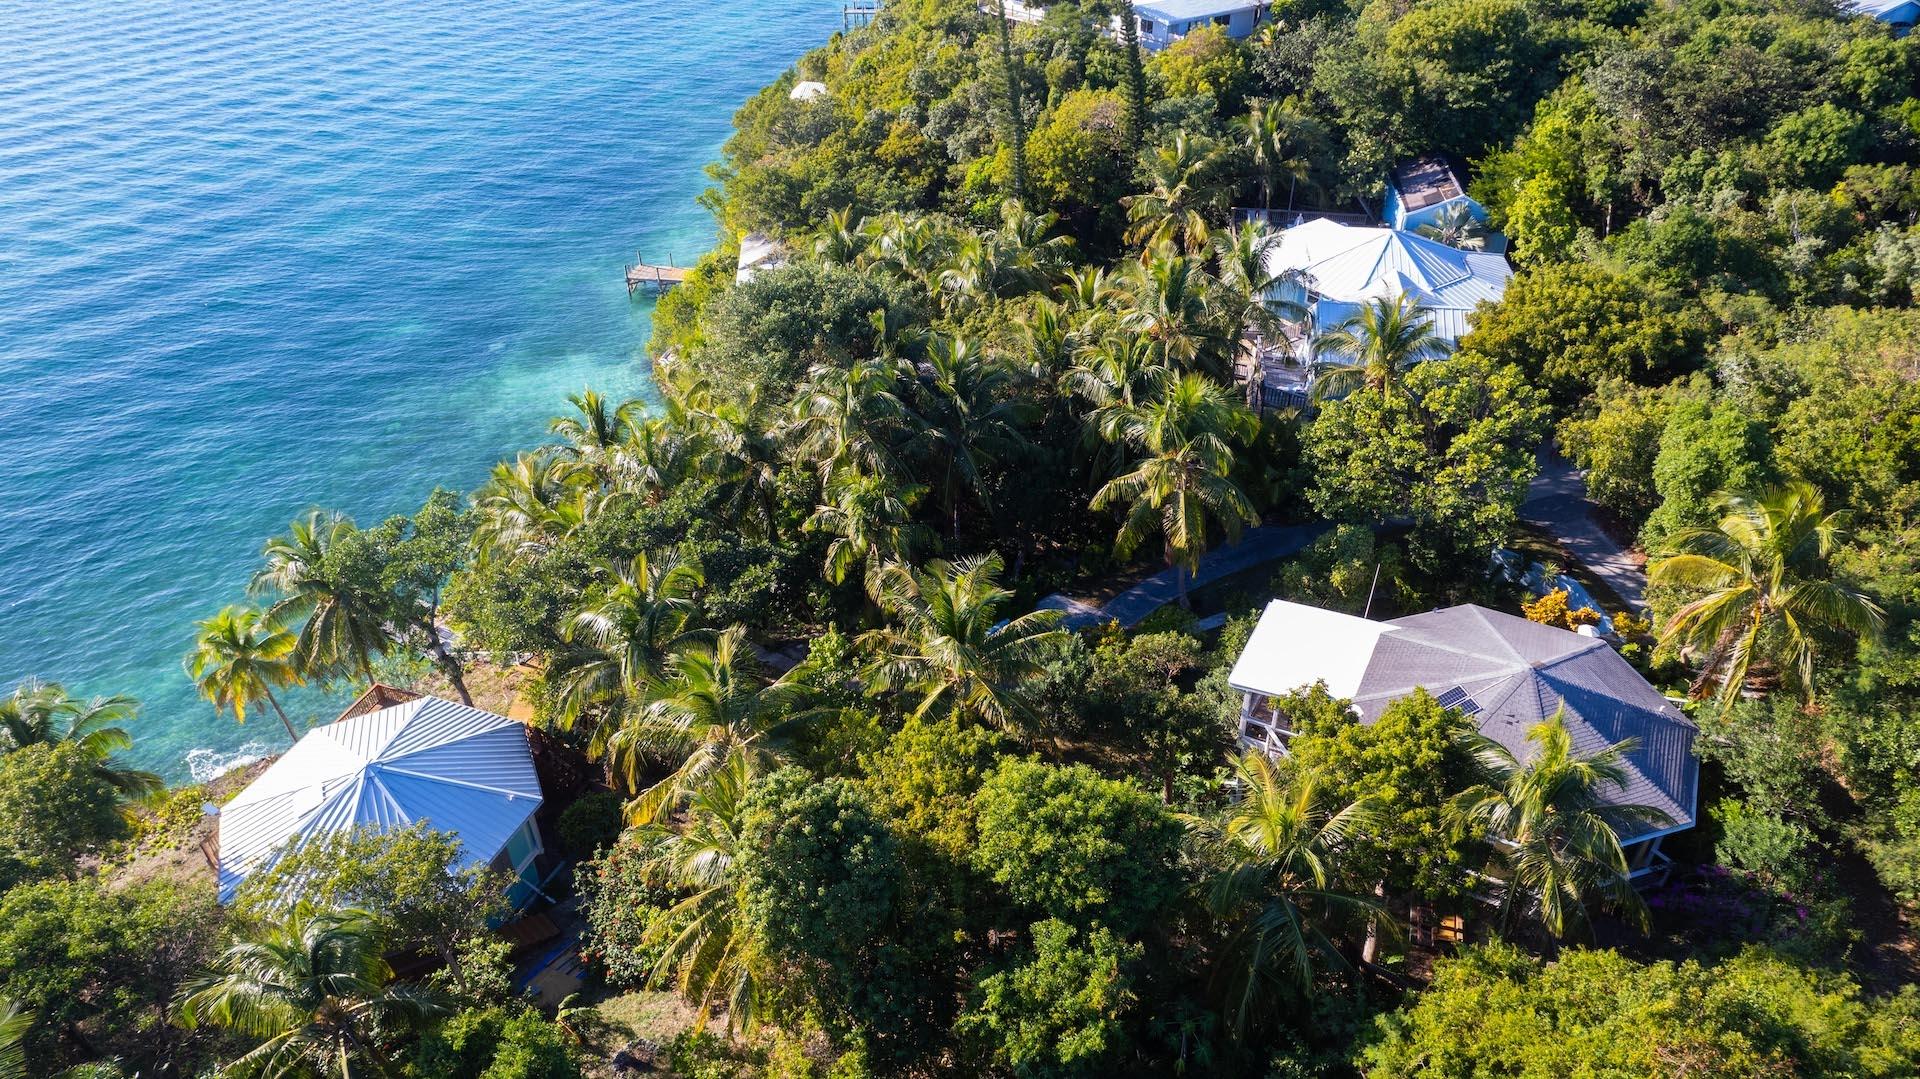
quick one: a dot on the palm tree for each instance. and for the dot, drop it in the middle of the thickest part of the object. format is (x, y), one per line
(1030, 256)
(1268, 129)
(971, 420)
(1374, 346)
(15, 1021)
(313, 992)
(909, 246)
(344, 622)
(1048, 340)
(1243, 253)
(527, 506)
(847, 418)
(238, 659)
(1181, 185)
(949, 645)
(1118, 373)
(704, 947)
(871, 521)
(971, 275)
(1170, 300)
(1088, 289)
(1111, 379)
(619, 640)
(595, 433)
(1271, 884)
(1551, 821)
(733, 449)
(42, 713)
(708, 708)
(1769, 590)
(655, 457)
(1457, 228)
(1181, 483)
(842, 238)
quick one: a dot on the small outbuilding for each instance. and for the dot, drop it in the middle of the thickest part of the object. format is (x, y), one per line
(758, 252)
(418, 760)
(1425, 190)
(1503, 672)
(1163, 22)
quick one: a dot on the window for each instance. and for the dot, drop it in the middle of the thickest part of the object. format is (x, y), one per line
(1222, 20)
(1146, 27)
(523, 846)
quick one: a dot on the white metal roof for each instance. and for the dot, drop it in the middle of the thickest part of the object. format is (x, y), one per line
(458, 769)
(1350, 265)
(1295, 645)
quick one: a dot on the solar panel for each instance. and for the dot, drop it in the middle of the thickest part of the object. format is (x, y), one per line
(1457, 698)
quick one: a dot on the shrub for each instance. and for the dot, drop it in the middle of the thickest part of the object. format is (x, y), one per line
(625, 904)
(591, 824)
(1057, 1009)
(494, 1043)
(1495, 1011)
(1070, 843)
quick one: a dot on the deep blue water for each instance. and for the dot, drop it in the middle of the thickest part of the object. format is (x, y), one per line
(256, 256)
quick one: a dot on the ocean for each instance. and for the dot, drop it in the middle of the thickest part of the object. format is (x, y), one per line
(256, 257)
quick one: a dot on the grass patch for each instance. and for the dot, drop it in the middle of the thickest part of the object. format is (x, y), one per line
(619, 1021)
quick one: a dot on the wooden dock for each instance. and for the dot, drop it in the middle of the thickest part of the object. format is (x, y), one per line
(649, 275)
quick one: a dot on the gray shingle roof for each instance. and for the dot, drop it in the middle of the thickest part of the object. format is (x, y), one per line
(1519, 672)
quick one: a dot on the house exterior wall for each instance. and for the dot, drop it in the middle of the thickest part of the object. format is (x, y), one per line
(518, 859)
(1397, 215)
(1158, 32)
(1262, 726)
(1901, 18)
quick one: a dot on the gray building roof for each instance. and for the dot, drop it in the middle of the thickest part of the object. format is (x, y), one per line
(1509, 674)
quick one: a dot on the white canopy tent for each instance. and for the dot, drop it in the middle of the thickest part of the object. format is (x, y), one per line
(456, 769)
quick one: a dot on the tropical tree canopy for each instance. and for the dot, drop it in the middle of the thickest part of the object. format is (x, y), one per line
(1272, 884)
(1554, 823)
(312, 994)
(948, 645)
(1770, 597)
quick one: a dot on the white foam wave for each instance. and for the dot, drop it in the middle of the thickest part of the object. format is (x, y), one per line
(206, 765)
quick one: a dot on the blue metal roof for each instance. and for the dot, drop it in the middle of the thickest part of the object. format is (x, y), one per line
(456, 769)
(1183, 10)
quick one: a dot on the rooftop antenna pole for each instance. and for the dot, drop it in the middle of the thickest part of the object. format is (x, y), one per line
(1370, 588)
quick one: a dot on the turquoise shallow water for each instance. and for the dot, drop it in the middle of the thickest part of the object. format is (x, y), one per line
(256, 256)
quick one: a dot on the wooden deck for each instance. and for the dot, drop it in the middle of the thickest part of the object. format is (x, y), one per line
(658, 278)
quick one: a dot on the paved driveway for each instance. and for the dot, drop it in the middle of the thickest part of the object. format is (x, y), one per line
(1257, 545)
(1557, 502)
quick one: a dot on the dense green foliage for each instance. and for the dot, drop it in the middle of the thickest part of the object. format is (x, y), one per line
(1494, 1011)
(1004, 354)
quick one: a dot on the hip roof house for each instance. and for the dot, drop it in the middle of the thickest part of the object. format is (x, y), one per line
(1163, 22)
(424, 760)
(1333, 270)
(1505, 672)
